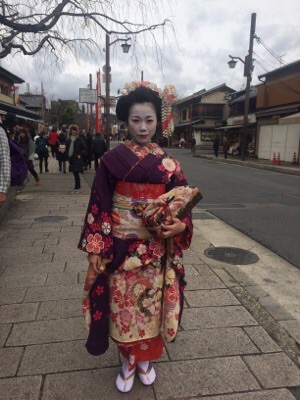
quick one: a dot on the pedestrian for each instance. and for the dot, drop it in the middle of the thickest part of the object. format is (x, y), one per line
(24, 140)
(225, 146)
(83, 136)
(42, 151)
(193, 144)
(89, 145)
(62, 151)
(216, 145)
(5, 163)
(125, 278)
(99, 148)
(52, 138)
(76, 152)
(182, 143)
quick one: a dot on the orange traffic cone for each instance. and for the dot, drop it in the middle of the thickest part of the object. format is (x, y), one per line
(294, 160)
(278, 159)
(274, 161)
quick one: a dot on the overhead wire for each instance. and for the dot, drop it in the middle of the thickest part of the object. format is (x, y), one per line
(278, 58)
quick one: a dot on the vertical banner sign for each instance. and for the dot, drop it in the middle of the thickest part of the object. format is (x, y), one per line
(98, 105)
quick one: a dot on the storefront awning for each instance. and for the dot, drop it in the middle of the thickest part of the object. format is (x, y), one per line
(228, 127)
(291, 119)
(188, 123)
(29, 119)
(18, 111)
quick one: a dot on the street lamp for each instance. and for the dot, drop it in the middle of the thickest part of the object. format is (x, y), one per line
(248, 68)
(125, 47)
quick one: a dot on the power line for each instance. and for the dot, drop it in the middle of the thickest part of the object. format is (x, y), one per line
(278, 58)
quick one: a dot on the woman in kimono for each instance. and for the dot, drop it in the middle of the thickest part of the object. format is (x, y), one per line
(135, 280)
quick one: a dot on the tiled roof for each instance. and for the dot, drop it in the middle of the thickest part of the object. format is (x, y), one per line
(32, 100)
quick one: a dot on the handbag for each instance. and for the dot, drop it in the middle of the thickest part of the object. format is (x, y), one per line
(176, 203)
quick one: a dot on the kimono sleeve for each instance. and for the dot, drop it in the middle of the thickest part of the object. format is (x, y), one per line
(96, 237)
(183, 240)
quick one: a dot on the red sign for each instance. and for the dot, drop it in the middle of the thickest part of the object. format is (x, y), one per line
(98, 105)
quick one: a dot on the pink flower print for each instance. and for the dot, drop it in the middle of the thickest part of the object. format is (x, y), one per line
(95, 209)
(158, 247)
(106, 228)
(97, 315)
(142, 249)
(94, 243)
(99, 290)
(125, 316)
(142, 333)
(169, 164)
(171, 332)
(125, 328)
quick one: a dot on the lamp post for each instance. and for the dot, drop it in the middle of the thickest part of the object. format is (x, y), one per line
(248, 68)
(125, 47)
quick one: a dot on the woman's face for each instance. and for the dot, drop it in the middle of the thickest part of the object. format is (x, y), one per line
(142, 122)
(73, 132)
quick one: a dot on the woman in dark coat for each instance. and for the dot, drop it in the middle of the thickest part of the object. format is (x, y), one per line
(62, 151)
(76, 151)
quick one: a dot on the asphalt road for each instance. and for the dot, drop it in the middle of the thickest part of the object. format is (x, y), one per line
(262, 204)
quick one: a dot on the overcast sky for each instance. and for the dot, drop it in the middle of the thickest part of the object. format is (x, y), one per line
(195, 56)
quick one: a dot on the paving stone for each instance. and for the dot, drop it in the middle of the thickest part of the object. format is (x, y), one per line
(20, 281)
(58, 330)
(30, 258)
(63, 278)
(212, 317)
(18, 312)
(65, 356)
(207, 280)
(27, 388)
(278, 394)
(74, 266)
(239, 276)
(74, 257)
(8, 296)
(38, 268)
(293, 327)
(206, 298)
(95, 384)
(190, 270)
(256, 291)
(45, 242)
(274, 370)
(261, 339)
(60, 309)
(4, 331)
(182, 379)
(227, 279)
(10, 359)
(6, 243)
(216, 342)
(47, 293)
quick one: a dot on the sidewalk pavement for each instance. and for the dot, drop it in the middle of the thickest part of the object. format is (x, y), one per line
(239, 337)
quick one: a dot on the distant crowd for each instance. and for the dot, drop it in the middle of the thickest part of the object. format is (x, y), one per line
(23, 150)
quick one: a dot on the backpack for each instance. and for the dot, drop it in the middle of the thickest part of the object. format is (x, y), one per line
(18, 164)
(41, 147)
(62, 148)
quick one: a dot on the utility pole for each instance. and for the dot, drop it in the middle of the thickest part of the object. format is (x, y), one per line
(91, 109)
(248, 67)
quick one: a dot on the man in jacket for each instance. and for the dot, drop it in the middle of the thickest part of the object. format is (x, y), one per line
(99, 148)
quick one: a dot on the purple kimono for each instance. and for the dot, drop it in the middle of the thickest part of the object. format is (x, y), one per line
(139, 292)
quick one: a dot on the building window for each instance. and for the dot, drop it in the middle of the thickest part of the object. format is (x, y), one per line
(5, 88)
(185, 115)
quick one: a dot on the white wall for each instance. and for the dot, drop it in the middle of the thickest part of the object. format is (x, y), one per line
(283, 139)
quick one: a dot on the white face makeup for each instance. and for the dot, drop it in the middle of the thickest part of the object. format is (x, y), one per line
(142, 122)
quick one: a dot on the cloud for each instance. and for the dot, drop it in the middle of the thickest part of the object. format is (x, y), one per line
(206, 32)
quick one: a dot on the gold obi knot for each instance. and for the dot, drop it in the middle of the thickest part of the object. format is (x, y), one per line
(126, 224)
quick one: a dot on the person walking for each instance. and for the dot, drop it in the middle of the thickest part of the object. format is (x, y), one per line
(89, 145)
(127, 286)
(225, 146)
(5, 164)
(76, 152)
(62, 151)
(216, 145)
(193, 144)
(27, 144)
(42, 151)
(52, 138)
(99, 148)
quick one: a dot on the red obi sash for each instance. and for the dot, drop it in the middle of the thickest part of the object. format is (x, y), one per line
(140, 190)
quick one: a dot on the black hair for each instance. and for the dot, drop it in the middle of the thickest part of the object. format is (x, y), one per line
(140, 95)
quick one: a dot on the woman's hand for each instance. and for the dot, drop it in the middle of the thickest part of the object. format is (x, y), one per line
(95, 262)
(172, 227)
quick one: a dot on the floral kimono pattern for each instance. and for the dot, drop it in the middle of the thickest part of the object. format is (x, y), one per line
(139, 290)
